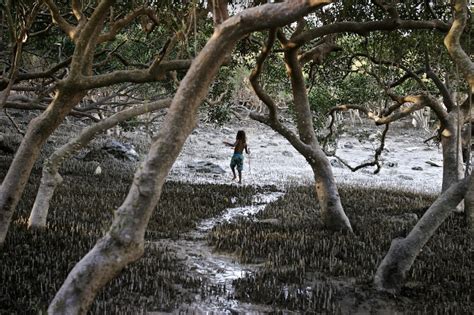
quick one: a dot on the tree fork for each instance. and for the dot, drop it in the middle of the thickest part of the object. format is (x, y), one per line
(131, 219)
(332, 212)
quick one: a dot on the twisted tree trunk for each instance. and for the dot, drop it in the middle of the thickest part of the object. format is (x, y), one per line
(332, 213)
(391, 273)
(464, 64)
(305, 142)
(51, 177)
(67, 96)
(124, 242)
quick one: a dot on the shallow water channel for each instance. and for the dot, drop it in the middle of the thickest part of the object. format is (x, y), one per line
(217, 270)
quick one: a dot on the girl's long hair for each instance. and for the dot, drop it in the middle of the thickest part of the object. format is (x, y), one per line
(241, 136)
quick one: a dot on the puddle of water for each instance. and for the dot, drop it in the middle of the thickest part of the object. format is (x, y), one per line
(218, 269)
(258, 204)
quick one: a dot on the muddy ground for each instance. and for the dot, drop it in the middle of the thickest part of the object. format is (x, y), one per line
(407, 160)
(216, 246)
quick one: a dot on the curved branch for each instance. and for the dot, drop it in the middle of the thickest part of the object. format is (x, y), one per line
(87, 40)
(23, 106)
(271, 120)
(318, 53)
(124, 242)
(67, 28)
(300, 146)
(77, 10)
(135, 76)
(367, 27)
(39, 75)
(406, 76)
(117, 26)
(399, 114)
(408, 72)
(256, 72)
(447, 99)
(452, 42)
(342, 108)
(375, 161)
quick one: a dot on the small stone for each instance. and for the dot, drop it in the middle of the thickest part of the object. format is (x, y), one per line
(206, 167)
(336, 163)
(417, 168)
(348, 145)
(98, 170)
(433, 163)
(287, 153)
(392, 164)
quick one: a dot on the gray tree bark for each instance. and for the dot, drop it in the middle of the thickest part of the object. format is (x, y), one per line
(306, 143)
(85, 35)
(391, 273)
(466, 67)
(332, 213)
(453, 169)
(124, 242)
(36, 135)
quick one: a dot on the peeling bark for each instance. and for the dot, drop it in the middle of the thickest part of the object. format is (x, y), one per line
(51, 177)
(391, 273)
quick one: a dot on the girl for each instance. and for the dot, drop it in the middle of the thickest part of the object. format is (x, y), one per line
(238, 157)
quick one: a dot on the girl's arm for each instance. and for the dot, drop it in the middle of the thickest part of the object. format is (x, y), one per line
(247, 150)
(229, 144)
